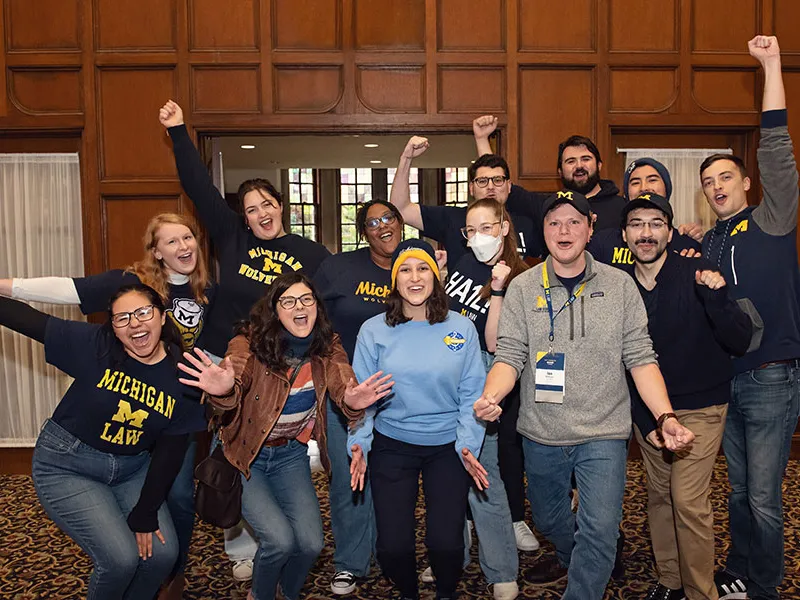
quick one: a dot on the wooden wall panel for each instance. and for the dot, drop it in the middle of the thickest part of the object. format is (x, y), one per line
(471, 25)
(570, 27)
(42, 25)
(135, 24)
(388, 89)
(554, 104)
(223, 25)
(321, 30)
(133, 144)
(304, 89)
(472, 90)
(389, 24)
(636, 26)
(725, 90)
(125, 221)
(786, 24)
(723, 26)
(46, 91)
(636, 90)
(226, 89)
(791, 80)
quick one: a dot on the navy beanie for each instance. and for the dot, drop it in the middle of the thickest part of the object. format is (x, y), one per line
(652, 162)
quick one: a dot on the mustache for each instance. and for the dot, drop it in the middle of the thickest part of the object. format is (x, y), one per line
(647, 240)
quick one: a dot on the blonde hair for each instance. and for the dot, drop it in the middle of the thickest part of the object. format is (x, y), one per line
(151, 271)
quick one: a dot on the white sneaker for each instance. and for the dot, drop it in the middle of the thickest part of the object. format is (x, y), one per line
(313, 457)
(243, 570)
(526, 541)
(427, 576)
(505, 591)
(343, 582)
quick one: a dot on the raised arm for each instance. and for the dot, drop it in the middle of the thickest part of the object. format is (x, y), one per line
(23, 319)
(401, 193)
(482, 128)
(55, 290)
(214, 211)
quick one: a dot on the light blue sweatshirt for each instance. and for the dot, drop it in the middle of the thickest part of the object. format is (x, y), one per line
(438, 373)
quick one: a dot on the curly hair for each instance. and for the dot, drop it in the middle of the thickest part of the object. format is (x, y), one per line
(361, 216)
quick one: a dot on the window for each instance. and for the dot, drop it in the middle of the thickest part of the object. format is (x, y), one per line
(413, 186)
(303, 203)
(355, 188)
(456, 186)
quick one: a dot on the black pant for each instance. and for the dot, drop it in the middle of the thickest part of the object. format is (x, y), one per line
(394, 468)
(509, 454)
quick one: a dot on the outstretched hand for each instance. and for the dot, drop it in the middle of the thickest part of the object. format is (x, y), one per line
(475, 469)
(170, 115)
(358, 467)
(216, 380)
(368, 392)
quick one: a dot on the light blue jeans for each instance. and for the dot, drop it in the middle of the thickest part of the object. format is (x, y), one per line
(599, 468)
(89, 495)
(280, 504)
(352, 513)
(762, 417)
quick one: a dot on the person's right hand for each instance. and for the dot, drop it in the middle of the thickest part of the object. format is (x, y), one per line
(484, 126)
(764, 48)
(170, 115)
(654, 439)
(216, 380)
(500, 272)
(358, 467)
(415, 147)
(486, 408)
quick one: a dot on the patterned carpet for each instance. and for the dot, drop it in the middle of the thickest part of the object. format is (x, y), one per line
(38, 561)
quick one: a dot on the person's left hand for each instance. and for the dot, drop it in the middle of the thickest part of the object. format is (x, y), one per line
(500, 273)
(676, 436)
(441, 258)
(475, 469)
(369, 391)
(691, 253)
(711, 279)
(487, 407)
(358, 467)
(693, 230)
(216, 380)
(144, 541)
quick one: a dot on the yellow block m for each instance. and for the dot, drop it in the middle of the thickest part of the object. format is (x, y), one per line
(124, 414)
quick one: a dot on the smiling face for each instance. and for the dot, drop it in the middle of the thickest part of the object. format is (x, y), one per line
(645, 179)
(140, 338)
(300, 319)
(263, 214)
(566, 233)
(176, 246)
(579, 170)
(384, 238)
(414, 281)
(647, 234)
(725, 188)
(497, 192)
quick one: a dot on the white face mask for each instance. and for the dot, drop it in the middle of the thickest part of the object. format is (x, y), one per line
(484, 246)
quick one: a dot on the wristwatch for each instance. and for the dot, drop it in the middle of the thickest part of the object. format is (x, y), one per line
(499, 293)
(664, 417)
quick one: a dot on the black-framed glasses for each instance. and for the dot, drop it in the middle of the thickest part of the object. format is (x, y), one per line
(142, 314)
(484, 228)
(638, 224)
(289, 302)
(387, 219)
(497, 181)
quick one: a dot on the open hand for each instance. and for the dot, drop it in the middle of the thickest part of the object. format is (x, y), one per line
(369, 391)
(358, 467)
(475, 469)
(217, 380)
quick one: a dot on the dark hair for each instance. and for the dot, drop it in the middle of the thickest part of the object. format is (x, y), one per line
(436, 306)
(491, 161)
(510, 254)
(262, 186)
(266, 333)
(361, 216)
(575, 141)
(716, 157)
(170, 337)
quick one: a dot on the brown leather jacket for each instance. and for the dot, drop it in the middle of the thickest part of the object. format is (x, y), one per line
(259, 395)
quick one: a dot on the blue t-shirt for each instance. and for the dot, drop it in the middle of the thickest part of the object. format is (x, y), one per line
(116, 406)
(467, 278)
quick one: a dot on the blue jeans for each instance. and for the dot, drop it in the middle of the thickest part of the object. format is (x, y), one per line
(89, 495)
(762, 417)
(280, 504)
(181, 505)
(352, 513)
(599, 468)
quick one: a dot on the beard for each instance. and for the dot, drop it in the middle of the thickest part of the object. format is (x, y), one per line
(646, 261)
(582, 188)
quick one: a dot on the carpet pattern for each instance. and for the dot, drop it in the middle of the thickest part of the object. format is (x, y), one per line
(38, 561)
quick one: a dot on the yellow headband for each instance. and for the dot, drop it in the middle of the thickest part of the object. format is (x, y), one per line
(414, 253)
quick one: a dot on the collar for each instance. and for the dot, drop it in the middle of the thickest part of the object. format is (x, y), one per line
(178, 279)
(588, 273)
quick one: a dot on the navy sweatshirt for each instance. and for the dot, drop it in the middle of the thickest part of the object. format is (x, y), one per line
(694, 331)
(756, 249)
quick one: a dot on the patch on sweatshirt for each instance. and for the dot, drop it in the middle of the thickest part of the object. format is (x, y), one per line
(740, 228)
(596, 295)
(454, 340)
(541, 304)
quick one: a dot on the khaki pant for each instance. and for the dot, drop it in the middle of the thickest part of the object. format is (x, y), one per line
(679, 507)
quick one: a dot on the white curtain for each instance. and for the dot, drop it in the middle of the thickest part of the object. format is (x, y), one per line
(40, 234)
(688, 202)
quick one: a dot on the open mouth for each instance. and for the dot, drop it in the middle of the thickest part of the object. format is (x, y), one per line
(720, 198)
(141, 339)
(186, 258)
(565, 245)
(416, 289)
(301, 320)
(385, 237)
(265, 223)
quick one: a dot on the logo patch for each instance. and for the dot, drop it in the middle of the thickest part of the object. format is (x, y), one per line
(740, 228)
(454, 340)
(596, 295)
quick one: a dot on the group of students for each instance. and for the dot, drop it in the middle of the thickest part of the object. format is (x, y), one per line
(495, 374)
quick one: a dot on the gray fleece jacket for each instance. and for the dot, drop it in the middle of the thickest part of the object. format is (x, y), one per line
(602, 333)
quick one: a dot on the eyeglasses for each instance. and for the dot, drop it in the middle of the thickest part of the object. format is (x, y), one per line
(386, 219)
(497, 181)
(142, 314)
(484, 228)
(638, 224)
(289, 302)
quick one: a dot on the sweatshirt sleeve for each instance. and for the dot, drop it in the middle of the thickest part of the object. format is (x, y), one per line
(214, 211)
(23, 319)
(777, 213)
(637, 347)
(470, 430)
(365, 362)
(732, 328)
(55, 290)
(512, 331)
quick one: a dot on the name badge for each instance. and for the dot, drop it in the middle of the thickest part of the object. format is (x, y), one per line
(550, 377)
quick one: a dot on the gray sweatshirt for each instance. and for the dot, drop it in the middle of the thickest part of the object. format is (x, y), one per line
(602, 333)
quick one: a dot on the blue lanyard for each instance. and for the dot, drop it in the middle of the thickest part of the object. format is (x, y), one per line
(570, 300)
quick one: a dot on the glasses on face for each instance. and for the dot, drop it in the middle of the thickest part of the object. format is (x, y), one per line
(289, 302)
(497, 181)
(639, 224)
(374, 223)
(142, 314)
(484, 228)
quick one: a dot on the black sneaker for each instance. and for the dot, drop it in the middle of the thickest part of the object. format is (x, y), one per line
(730, 587)
(343, 582)
(662, 592)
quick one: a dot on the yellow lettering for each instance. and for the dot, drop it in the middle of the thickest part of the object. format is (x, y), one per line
(125, 387)
(618, 255)
(104, 436)
(124, 414)
(108, 379)
(119, 437)
(150, 398)
(132, 437)
(567, 195)
(170, 407)
(119, 381)
(135, 387)
(159, 407)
